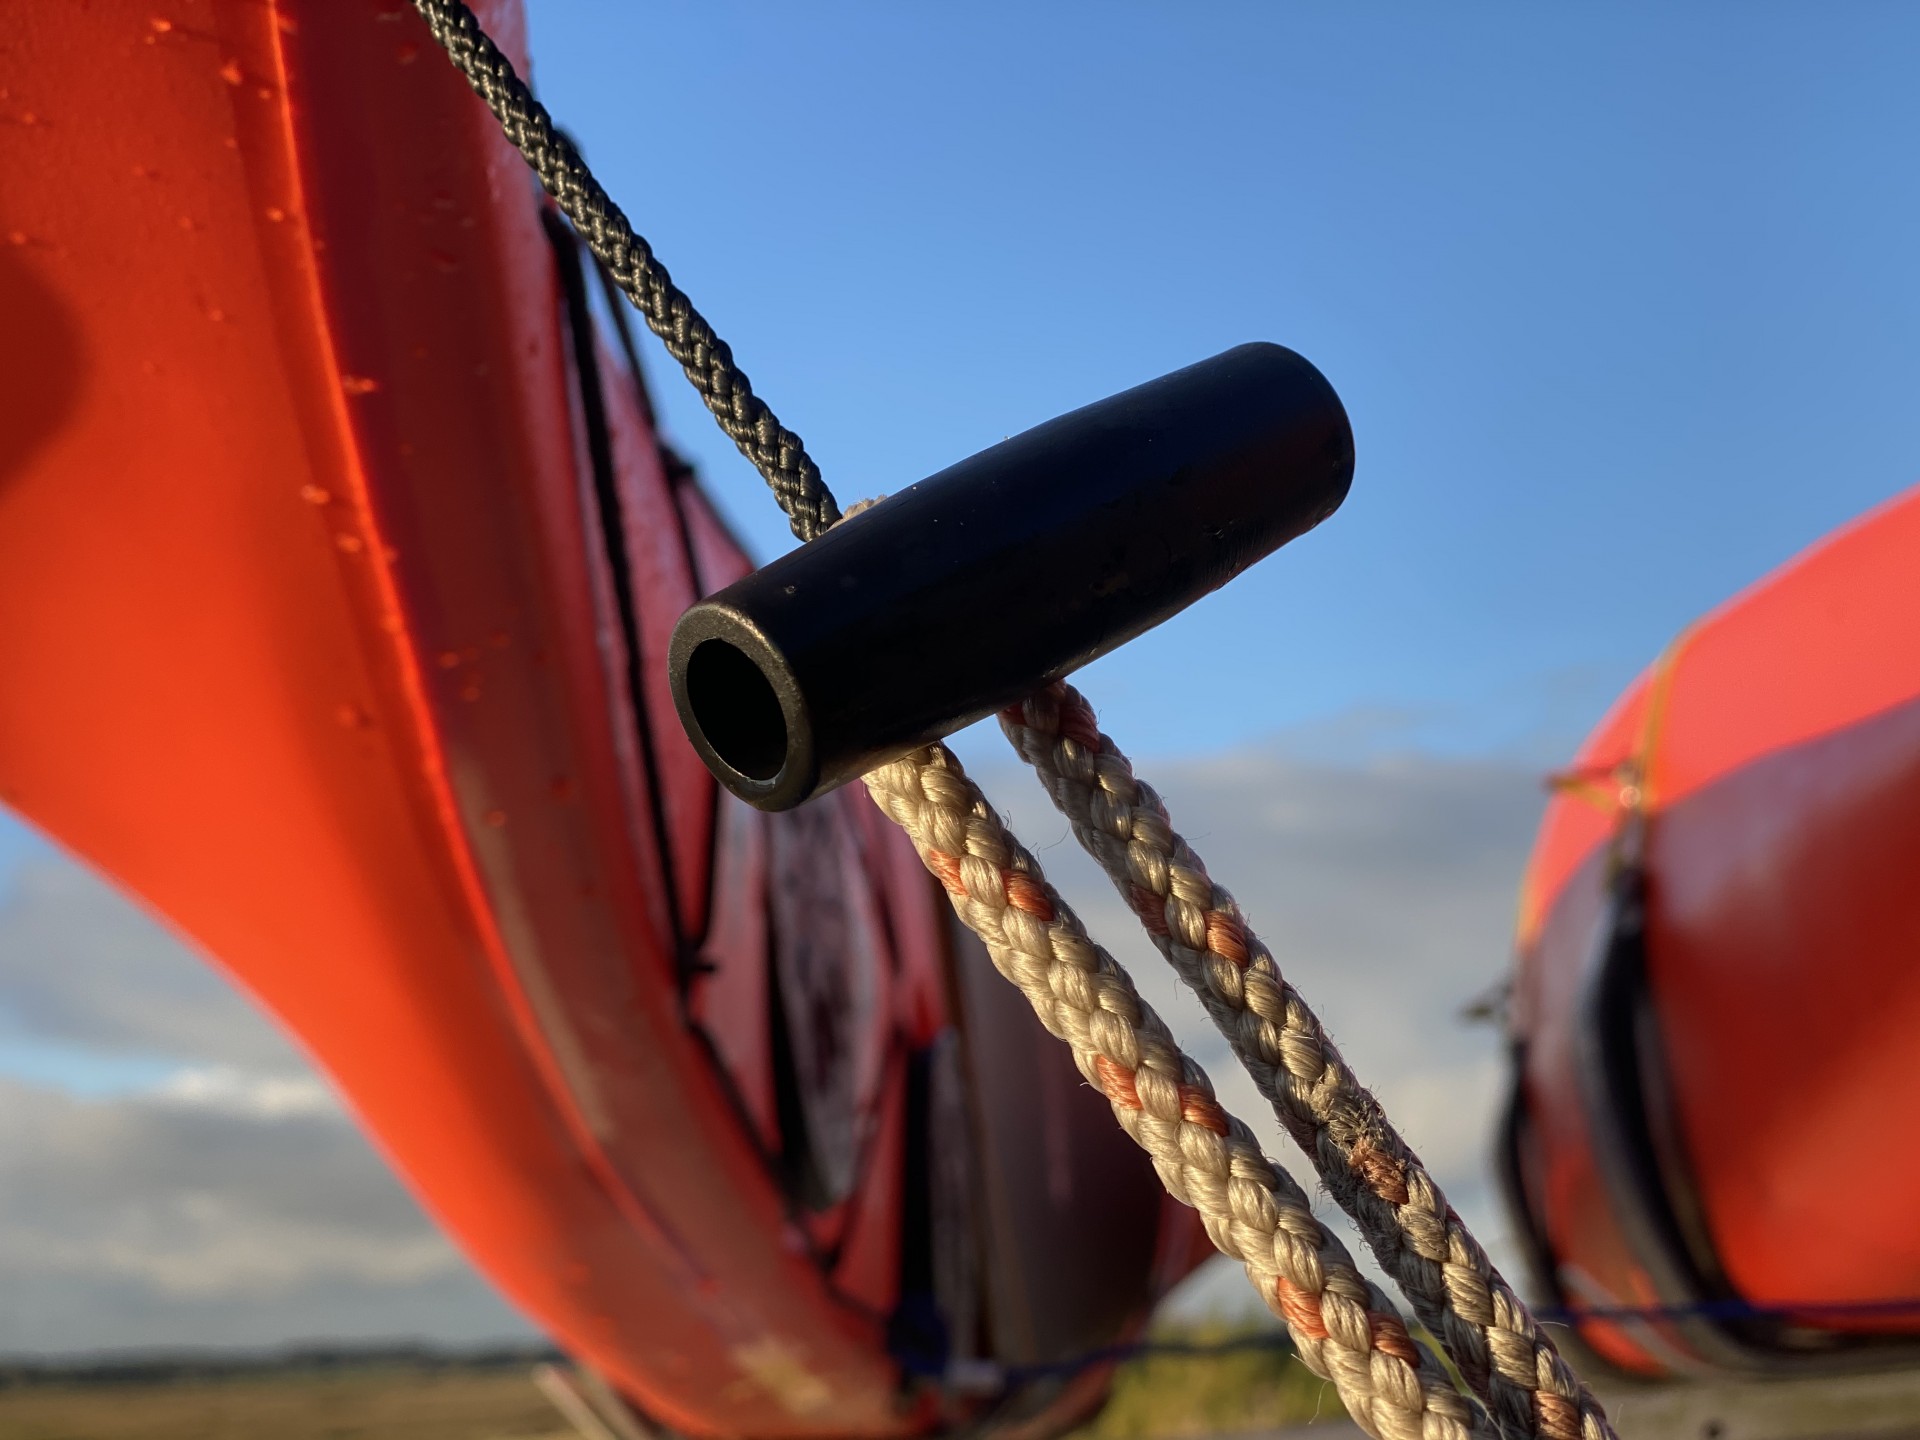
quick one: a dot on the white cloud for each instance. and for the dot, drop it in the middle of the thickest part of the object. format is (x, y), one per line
(1385, 890)
(233, 1091)
(83, 966)
(213, 1193)
(144, 1221)
(229, 1201)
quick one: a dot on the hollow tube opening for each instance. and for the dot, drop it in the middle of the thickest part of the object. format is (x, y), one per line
(736, 709)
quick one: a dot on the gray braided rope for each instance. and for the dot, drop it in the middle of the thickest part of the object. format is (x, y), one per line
(776, 452)
(1382, 1401)
(1344, 1328)
(1371, 1171)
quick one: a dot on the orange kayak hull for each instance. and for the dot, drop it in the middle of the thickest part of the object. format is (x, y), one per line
(317, 644)
(1707, 1076)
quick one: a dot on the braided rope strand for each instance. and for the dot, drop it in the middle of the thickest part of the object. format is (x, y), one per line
(776, 452)
(1367, 1166)
(1253, 1211)
(1371, 1171)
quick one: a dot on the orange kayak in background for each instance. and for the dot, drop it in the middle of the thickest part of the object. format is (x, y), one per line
(1717, 1002)
(338, 557)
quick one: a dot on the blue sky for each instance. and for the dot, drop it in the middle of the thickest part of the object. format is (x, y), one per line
(1624, 304)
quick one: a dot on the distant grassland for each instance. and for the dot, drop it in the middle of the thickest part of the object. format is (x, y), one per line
(1160, 1397)
(377, 1403)
(1240, 1392)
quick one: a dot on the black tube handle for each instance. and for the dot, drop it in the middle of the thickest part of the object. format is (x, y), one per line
(979, 585)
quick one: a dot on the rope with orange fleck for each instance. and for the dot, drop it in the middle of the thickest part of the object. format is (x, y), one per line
(1376, 1177)
(1344, 1327)
(1389, 1384)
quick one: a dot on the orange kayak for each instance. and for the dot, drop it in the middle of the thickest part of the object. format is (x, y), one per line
(338, 557)
(1717, 998)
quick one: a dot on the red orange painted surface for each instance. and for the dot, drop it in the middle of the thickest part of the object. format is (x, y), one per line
(311, 644)
(1774, 753)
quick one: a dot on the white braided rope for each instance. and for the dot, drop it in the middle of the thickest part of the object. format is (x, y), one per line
(1344, 1327)
(1507, 1361)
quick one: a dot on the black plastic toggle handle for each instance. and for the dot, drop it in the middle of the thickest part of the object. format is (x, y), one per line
(979, 585)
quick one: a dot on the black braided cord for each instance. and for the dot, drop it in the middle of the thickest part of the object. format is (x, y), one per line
(776, 452)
